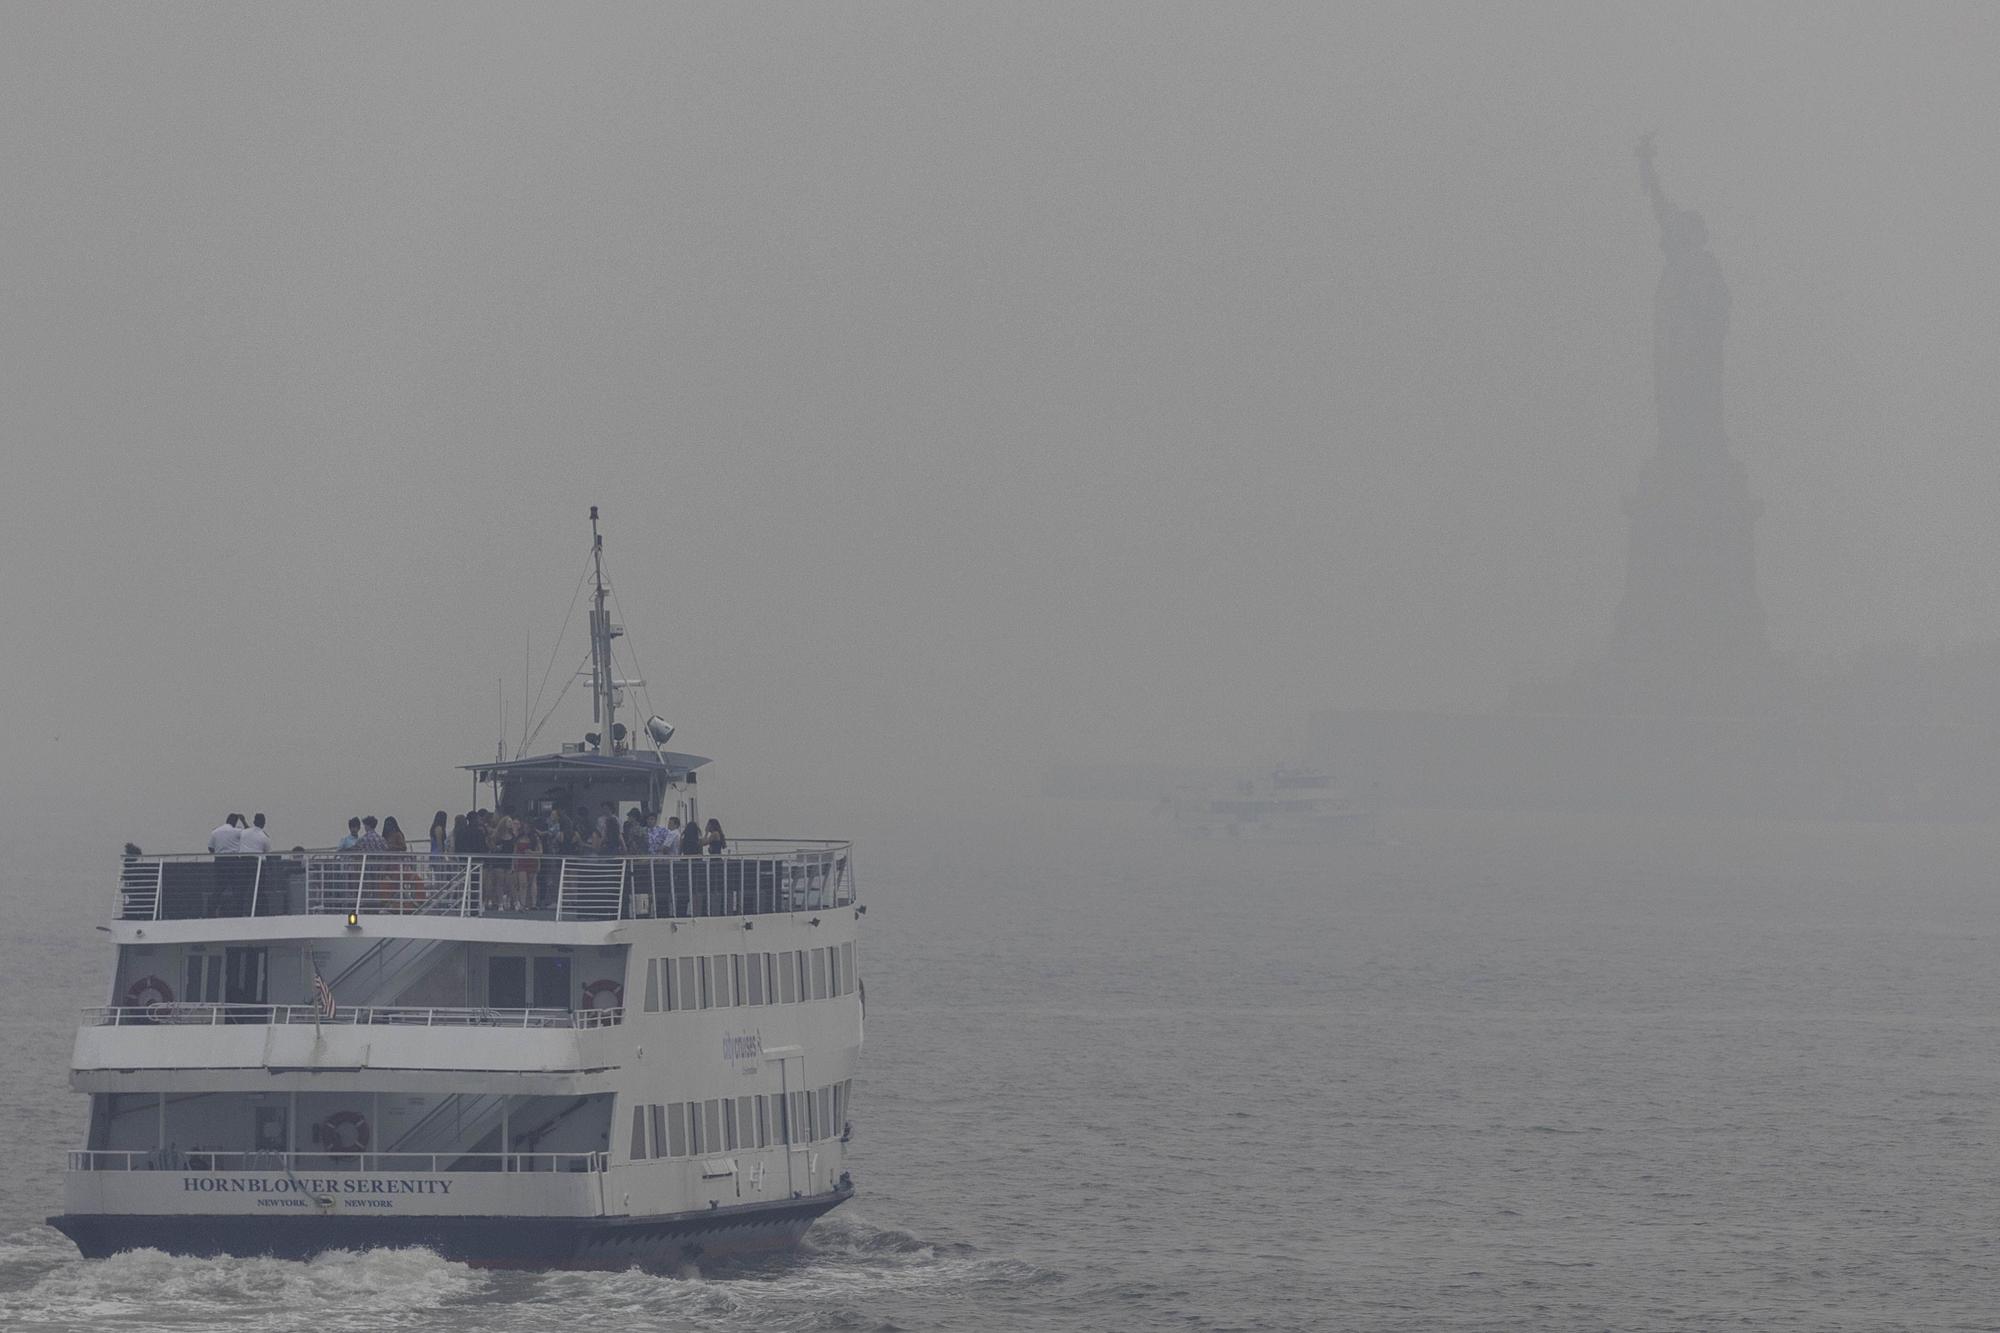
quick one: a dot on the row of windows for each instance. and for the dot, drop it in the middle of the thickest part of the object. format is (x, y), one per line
(719, 981)
(726, 1124)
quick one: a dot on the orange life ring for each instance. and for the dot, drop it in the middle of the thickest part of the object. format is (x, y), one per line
(147, 991)
(334, 1135)
(594, 989)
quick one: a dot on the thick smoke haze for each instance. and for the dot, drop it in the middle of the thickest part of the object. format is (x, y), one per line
(965, 389)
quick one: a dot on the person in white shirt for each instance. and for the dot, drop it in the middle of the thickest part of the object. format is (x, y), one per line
(253, 841)
(227, 838)
(226, 843)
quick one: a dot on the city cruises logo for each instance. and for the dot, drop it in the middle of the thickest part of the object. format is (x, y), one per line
(742, 1049)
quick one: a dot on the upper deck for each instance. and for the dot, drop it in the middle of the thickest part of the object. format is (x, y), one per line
(756, 877)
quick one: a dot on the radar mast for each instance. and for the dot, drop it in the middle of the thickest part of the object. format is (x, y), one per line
(603, 689)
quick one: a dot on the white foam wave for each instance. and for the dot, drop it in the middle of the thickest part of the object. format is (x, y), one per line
(845, 1276)
(370, 1290)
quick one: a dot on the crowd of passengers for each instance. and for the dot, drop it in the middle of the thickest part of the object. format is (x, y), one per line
(536, 845)
(481, 833)
(521, 855)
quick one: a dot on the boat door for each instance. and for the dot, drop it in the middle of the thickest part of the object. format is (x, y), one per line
(789, 1126)
(244, 982)
(552, 983)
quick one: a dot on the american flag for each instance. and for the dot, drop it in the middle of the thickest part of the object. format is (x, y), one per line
(322, 995)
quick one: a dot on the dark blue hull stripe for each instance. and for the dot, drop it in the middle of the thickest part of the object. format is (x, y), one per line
(484, 1242)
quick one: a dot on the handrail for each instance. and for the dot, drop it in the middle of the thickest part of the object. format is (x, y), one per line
(766, 848)
(756, 876)
(201, 1159)
(212, 1015)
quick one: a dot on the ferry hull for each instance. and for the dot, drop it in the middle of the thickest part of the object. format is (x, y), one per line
(617, 1243)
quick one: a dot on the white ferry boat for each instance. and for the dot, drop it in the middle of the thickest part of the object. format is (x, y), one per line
(1288, 802)
(340, 1050)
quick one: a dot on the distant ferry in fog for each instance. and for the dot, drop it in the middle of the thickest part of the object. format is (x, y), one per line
(341, 1050)
(1296, 802)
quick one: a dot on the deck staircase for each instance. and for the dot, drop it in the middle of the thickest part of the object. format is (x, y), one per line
(458, 1124)
(387, 969)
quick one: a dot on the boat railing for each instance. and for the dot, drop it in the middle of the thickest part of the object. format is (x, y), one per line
(201, 1159)
(174, 1013)
(755, 876)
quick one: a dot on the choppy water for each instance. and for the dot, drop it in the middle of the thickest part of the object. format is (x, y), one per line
(1481, 1074)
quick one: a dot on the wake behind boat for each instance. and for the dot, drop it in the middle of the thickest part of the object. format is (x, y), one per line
(589, 1060)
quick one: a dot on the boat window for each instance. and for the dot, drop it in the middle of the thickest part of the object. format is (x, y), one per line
(754, 975)
(652, 985)
(695, 1141)
(847, 968)
(272, 1127)
(707, 983)
(685, 986)
(659, 1130)
(718, 968)
(729, 1124)
(244, 979)
(506, 982)
(204, 978)
(799, 957)
(819, 974)
(711, 1126)
(812, 1114)
(638, 1133)
(737, 990)
(677, 1132)
(746, 1124)
(839, 1105)
(788, 979)
(796, 1120)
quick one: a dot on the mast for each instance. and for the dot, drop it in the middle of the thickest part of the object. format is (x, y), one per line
(603, 689)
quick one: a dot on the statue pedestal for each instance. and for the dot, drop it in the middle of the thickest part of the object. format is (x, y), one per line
(1690, 633)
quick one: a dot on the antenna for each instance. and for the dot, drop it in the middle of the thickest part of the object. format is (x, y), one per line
(603, 689)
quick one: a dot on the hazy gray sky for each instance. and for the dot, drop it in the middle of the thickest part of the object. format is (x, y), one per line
(963, 386)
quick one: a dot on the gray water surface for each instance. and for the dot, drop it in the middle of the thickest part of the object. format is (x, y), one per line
(1473, 1073)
